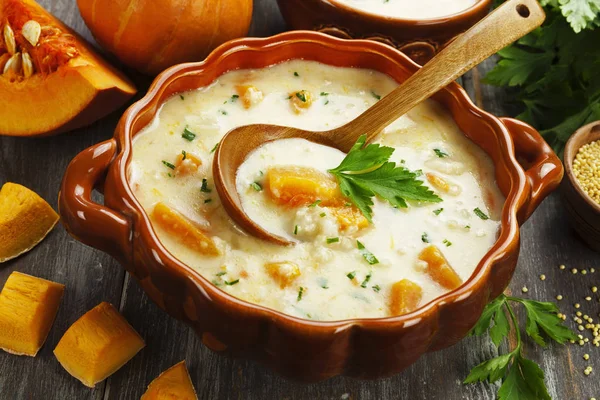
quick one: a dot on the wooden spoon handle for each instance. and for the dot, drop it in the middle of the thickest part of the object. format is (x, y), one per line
(509, 22)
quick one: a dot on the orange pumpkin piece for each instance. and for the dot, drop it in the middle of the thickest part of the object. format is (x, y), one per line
(172, 384)
(186, 164)
(187, 233)
(249, 95)
(439, 269)
(25, 220)
(301, 100)
(97, 345)
(438, 182)
(404, 297)
(349, 217)
(28, 306)
(284, 272)
(50, 79)
(299, 186)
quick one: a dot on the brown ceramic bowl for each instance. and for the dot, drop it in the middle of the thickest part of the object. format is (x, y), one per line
(298, 348)
(420, 39)
(584, 213)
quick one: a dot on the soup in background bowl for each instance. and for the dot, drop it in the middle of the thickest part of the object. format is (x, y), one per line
(300, 348)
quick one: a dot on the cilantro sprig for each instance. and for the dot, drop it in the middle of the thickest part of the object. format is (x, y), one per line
(366, 172)
(522, 379)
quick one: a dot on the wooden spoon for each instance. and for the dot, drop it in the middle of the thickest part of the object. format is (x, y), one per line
(509, 22)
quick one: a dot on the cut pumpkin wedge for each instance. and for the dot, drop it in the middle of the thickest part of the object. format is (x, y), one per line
(28, 306)
(172, 384)
(97, 345)
(25, 219)
(50, 79)
(187, 233)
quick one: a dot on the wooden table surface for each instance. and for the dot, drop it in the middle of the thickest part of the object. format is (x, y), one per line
(91, 276)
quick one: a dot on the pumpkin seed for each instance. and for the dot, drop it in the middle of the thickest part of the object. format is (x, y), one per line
(31, 31)
(13, 64)
(27, 65)
(9, 39)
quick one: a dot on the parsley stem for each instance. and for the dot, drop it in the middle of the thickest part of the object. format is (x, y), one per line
(515, 325)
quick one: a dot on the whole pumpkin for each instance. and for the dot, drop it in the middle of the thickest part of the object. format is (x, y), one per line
(151, 35)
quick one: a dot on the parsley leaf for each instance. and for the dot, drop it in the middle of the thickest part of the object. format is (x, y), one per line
(366, 172)
(522, 379)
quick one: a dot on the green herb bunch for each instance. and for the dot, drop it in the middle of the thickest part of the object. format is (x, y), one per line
(522, 379)
(556, 69)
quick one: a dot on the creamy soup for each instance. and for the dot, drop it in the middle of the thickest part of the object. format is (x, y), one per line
(341, 266)
(409, 9)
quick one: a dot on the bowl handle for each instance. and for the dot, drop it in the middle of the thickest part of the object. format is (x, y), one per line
(541, 165)
(89, 222)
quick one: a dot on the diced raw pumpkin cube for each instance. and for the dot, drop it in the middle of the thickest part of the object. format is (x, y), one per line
(97, 345)
(187, 233)
(301, 100)
(284, 272)
(438, 182)
(186, 164)
(349, 217)
(439, 269)
(249, 95)
(172, 384)
(25, 219)
(28, 306)
(300, 186)
(405, 297)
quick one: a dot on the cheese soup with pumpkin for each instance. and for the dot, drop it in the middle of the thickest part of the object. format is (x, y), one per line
(377, 232)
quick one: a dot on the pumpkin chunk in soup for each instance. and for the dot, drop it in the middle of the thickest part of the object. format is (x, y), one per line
(405, 296)
(439, 269)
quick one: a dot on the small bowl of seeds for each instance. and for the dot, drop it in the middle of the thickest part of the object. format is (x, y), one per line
(581, 189)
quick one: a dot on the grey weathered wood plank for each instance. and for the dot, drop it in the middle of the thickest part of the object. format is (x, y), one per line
(92, 276)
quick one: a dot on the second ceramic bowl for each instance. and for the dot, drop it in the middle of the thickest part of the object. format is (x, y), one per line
(420, 39)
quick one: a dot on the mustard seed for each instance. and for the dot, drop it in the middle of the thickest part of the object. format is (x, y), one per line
(525, 290)
(542, 277)
(559, 297)
(585, 169)
(562, 266)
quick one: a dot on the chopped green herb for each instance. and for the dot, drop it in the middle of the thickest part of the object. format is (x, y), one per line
(480, 214)
(181, 97)
(300, 293)
(316, 203)
(438, 211)
(326, 102)
(333, 240)
(168, 164)
(440, 153)
(204, 188)
(367, 279)
(376, 288)
(207, 201)
(324, 285)
(365, 172)
(289, 97)
(322, 215)
(351, 275)
(378, 97)
(170, 175)
(468, 227)
(188, 135)
(301, 96)
(234, 98)
(425, 238)
(403, 161)
(221, 273)
(215, 147)
(324, 94)
(296, 230)
(367, 255)
(216, 282)
(256, 186)
(184, 155)
(232, 282)
(296, 73)
(223, 112)
(447, 242)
